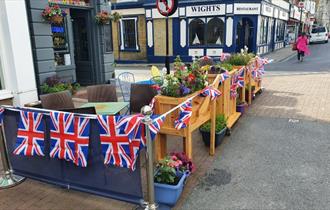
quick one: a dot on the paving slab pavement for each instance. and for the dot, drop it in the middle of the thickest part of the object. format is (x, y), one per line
(268, 163)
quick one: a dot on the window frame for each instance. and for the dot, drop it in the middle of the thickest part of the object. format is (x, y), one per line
(122, 44)
(264, 30)
(206, 20)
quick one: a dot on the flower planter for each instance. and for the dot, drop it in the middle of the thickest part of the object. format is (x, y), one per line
(203, 109)
(218, 137)
(241, 108)
(169, 194)
(57, 19)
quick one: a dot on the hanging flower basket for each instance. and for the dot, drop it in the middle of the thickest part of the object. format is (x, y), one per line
(53, 14)
(103, 18)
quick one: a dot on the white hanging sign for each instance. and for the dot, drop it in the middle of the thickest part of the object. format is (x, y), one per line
(206, 10)
(247, 9)
(267, 10)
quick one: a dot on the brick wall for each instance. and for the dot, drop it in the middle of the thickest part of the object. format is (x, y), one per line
(160, 37)
(125, 55)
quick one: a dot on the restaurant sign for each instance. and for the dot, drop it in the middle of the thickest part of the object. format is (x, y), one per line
(247, 9)
(206, 10)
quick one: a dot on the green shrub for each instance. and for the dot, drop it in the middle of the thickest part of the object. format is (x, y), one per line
(220, 124)
(226, 66)
(239, 59)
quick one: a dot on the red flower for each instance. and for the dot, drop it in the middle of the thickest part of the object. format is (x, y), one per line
(155, 87)
(191, 77)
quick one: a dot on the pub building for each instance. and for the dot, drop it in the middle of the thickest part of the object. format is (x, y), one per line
(76, 50)
(198, 28)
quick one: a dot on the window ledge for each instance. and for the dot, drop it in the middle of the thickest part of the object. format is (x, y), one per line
(5, 94)
(130, 50)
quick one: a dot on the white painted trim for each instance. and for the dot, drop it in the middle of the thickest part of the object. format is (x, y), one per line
(157, 15)
(126, 12)
(122, 46)
(16, 54)
(196, 52)
(183, 33)
(229, 8)
(148, 13)
(229, 31)
(214, 52)
(150, 34)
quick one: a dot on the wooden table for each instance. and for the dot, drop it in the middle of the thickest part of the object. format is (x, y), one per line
(107, 108)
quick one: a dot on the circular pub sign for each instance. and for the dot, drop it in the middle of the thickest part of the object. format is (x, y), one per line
(167, 7)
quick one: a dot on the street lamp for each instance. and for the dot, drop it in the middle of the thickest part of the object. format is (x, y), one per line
(301, 5)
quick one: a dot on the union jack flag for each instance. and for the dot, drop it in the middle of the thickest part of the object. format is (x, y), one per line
(62, 136)
(2, 110)
(81, 130)
(233, 88)
(240, 78)
(117, 148)
(30, 135)
(152, 103)
(224, 76)
(185, 115)
(210, 91)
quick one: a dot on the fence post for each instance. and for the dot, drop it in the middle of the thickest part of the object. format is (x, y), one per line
(150, 204)
(8, 179)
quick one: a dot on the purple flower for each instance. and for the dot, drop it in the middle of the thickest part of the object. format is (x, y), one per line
(184, 90)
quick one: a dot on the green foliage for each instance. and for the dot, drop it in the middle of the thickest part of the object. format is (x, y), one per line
(186, 79)
(240, 59)
(53, 85)
(220, 124)
(166, 171)
(226, 66)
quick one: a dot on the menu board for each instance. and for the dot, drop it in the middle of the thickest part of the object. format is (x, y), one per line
(60, 43)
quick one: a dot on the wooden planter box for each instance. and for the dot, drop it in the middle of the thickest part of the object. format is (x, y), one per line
(225, 104)
(203, 111)
(250, 81)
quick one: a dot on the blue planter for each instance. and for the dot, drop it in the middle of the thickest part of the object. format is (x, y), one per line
(169, 194)
(218, 137)
(241, 108)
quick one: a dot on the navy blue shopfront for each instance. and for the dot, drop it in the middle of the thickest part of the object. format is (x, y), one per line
(208, 28)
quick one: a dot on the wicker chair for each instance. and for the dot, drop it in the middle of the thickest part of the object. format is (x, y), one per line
(57, 101)
(102, 93)
(141, 95)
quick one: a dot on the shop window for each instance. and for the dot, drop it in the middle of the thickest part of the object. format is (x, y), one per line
(280, 31)
(107, 38)
(263, 28)
(215, 31)
(129, 34)
(196, 32)
(61, 44)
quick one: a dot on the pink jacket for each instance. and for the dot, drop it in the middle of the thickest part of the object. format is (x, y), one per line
(302, 44)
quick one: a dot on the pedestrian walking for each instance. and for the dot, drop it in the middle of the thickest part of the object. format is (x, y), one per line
(302, 48)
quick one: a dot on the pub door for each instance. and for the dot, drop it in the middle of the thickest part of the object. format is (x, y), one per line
(245, 34)
(82, 42)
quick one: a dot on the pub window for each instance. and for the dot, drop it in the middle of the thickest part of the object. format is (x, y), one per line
(107, 38)
(129, 34)
(197, 32)
(215, 31)
(61, 44)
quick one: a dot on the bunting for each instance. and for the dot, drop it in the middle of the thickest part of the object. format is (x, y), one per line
(240, 78)
(211, 91)
(233, 87)
(224, 76)
(30, 135)
(184, 116)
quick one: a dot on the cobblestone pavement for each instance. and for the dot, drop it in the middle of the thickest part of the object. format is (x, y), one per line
(305, 96)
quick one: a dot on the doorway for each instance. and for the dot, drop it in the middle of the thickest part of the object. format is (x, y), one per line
(82, 42)
(245, 34)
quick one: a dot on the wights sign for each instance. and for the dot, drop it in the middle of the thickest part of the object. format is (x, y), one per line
(206, 10)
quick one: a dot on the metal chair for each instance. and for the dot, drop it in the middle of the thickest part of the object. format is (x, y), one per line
(125, 80)
(141, 95)
(57, 101)
(102, 93)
